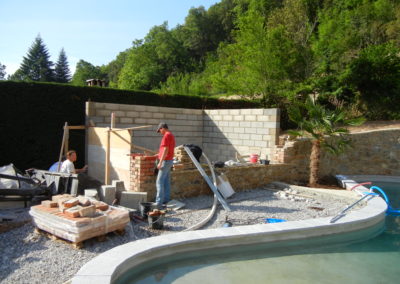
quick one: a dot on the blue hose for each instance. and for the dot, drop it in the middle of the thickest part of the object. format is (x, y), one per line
(390, 210)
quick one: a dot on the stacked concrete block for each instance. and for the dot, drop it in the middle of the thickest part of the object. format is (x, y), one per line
(132, 199)
(221, 133)
(107, 193)
(119, 187)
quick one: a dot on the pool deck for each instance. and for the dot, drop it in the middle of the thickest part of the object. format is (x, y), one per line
(108, 266)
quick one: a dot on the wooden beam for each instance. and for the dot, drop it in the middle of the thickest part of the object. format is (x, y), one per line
(77, 127)
(62, 147)
(107, 164)
(130, 128)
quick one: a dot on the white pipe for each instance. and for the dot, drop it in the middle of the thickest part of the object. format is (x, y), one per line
(214, 206)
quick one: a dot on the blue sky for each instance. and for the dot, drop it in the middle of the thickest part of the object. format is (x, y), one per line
(92, 30)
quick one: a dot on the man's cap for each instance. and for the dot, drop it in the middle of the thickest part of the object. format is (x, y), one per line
(162, 125)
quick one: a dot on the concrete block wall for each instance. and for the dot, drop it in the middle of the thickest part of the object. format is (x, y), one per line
(186, 124)
(221, 133)
(245, 131)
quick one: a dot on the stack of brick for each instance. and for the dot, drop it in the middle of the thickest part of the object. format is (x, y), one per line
(142, 173)
(78, 218)
(185, 163)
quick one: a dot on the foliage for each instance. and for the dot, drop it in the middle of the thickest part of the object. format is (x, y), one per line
(33, 115)
(375, 74)
(326, 128)
(85, 71)
(62, 74)
(2, 71)
(36, 65)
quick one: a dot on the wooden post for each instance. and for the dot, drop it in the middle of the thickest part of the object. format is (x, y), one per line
(107, 166)
(62, 146)
(108, 150)
(66, 146)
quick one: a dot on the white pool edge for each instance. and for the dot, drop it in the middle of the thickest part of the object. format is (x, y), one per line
(109, 265)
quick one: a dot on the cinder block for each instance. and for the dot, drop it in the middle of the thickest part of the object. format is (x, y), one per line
(119, 187)
(107, 193)
(91, 193)
(131, 199)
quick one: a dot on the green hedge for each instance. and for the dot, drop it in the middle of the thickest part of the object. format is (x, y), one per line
(32, 116)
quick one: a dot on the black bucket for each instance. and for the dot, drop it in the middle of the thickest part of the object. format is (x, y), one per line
(156, 222)
(145, 208)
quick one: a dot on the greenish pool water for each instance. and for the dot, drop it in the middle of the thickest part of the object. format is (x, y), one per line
(322, 260)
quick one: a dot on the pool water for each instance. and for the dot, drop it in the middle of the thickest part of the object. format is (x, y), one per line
(376, 260)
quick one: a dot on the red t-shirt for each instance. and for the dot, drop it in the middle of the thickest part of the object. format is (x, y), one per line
(168, 140)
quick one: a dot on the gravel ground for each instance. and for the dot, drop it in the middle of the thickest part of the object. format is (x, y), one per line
(29, 257)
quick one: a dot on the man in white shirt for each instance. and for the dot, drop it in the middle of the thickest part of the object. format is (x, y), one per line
(68, 165)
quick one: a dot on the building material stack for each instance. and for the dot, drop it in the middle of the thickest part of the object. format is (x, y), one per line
(185, 163)
(142, 173)
(78, 218)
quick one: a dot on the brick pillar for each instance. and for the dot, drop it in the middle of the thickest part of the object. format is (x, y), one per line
(142, 175)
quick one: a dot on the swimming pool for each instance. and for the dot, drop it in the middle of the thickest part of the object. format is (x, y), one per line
(292, 251)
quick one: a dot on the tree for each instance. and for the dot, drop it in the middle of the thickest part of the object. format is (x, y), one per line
(113, 69)
(375, 76)
(36, 65)
(326, 128)
(85, 71)
(62, 74)
(2, 71)
(151, 61)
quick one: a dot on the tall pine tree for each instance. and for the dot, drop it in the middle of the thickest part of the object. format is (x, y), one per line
(2, 71)
(62, 73)
(36, 66)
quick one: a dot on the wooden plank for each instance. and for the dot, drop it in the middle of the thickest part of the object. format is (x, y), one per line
(131, 128)
(62, 147)
(76, 127)
(107, 164)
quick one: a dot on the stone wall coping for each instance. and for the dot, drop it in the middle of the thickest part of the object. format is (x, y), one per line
(109, 265)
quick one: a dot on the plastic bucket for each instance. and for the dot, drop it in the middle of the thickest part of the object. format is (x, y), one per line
(254, 158)
(156, 222)
(145, 208)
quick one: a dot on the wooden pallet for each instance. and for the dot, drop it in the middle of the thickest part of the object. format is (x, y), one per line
(76, 230)
(77, 245)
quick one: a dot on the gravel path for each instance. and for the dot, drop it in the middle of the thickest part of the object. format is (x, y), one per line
(28, 257)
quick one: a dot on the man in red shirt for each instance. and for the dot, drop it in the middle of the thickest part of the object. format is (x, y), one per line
(165, 156)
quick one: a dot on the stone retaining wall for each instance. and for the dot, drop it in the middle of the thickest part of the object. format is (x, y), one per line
(372, 153)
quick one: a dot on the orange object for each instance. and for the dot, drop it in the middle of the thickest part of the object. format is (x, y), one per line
(254, 158)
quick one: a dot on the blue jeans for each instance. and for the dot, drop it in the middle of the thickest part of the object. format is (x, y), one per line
(163, 183)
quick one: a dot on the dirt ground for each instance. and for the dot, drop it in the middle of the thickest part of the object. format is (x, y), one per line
(375, 125)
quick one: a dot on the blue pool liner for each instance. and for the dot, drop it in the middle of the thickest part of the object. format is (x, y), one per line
(274, 220)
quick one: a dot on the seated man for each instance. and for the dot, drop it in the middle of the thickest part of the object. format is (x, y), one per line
(68, 165)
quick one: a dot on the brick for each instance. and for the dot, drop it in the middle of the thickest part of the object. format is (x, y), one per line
(49, 204)
(73, 212)
(88, 211)
(91, 193)
(132, 200)
(83, 201)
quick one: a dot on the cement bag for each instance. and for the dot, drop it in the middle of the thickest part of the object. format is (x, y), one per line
(8, 183)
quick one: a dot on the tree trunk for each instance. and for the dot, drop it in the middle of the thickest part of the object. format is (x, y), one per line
(314, 162)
